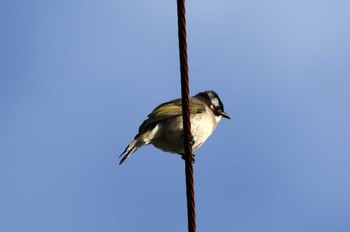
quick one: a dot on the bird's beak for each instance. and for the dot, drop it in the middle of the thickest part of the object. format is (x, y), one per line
(225, 115)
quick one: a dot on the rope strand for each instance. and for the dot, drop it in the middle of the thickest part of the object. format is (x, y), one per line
(188, 157)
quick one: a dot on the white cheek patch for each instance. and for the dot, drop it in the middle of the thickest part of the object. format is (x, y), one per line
(215, 102)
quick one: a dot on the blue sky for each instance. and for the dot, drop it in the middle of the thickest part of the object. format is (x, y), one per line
(78, 77)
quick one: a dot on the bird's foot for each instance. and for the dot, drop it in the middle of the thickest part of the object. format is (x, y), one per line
(191, 142)
(184, 158)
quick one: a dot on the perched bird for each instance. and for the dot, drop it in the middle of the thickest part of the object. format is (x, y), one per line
(164, 128)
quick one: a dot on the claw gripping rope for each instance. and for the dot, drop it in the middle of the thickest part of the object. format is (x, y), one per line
(188, 157)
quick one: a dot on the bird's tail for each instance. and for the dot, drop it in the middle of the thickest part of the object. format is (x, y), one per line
(131, 148)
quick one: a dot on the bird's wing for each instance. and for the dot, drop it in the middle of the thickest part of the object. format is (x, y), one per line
(169, 110)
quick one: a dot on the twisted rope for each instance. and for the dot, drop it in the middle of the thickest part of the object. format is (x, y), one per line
(191, 212)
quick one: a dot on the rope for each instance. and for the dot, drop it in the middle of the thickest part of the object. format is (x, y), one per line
(188, 157)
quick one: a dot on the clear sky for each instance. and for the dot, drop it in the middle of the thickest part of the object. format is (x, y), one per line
(78, 78)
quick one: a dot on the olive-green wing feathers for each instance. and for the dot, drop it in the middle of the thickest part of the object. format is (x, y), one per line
(169, 110)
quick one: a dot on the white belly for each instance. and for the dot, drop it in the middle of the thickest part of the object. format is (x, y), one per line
(169, 134)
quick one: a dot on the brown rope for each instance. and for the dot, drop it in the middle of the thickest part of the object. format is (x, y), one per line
(191, 212)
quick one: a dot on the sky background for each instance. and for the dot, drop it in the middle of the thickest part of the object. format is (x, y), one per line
(78, 78)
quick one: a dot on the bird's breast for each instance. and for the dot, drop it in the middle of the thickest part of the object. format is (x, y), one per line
(169, 134)
(202, 126)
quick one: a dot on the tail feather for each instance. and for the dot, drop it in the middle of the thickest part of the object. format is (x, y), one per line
(131, 148)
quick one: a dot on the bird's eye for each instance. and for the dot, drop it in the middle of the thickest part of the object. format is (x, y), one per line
(217, 111)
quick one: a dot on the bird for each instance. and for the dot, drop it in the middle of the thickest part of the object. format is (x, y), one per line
(163, 127)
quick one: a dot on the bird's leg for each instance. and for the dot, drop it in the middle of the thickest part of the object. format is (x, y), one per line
(182, 136)
(182, 156)
(191, 142)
